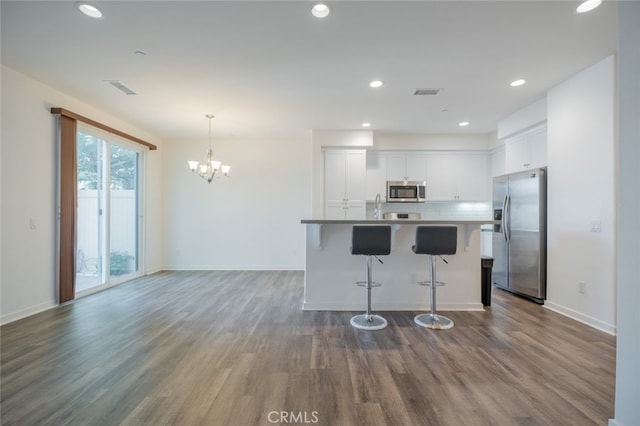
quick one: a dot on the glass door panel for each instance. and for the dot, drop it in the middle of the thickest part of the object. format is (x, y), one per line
(123, 218)
(90, 224)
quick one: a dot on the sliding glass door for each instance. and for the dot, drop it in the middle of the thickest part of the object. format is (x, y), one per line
(90, 208)
(108, 231)
(123, 218)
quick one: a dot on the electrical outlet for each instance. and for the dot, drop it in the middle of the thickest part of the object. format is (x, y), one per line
(596, 225)
(582, 287)
(33, 224)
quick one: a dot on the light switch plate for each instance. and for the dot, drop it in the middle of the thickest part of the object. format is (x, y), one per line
(596, 225)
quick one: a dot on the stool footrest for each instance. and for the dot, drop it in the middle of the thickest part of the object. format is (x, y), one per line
(364, 284)
(428, 283)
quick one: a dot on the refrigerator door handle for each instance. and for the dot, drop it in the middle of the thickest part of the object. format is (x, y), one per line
(508, 221)
(504, 218)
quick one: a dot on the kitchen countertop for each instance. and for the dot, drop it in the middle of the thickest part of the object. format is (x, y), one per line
(401, 221)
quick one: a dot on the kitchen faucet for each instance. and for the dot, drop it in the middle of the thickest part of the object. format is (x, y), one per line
(377, 213)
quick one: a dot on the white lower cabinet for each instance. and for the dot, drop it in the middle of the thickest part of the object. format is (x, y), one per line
(344, 184)
(454, 176)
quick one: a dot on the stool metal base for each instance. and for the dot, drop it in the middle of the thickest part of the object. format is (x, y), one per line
(433, 321)
(368, 322)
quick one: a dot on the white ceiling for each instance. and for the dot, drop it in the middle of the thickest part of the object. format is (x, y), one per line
(271, 68)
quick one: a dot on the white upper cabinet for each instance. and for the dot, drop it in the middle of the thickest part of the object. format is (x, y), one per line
(406, 166)
(376, 174)
(345, 184)
(498, 162)
(457, 176)
(526, 150)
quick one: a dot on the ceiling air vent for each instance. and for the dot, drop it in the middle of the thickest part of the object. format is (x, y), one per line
(120, 86)
(426, 92)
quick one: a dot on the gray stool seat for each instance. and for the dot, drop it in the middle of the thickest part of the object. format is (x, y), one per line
(370, 241)
(435, 241)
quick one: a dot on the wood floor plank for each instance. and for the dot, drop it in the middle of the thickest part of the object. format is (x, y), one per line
(235, 348)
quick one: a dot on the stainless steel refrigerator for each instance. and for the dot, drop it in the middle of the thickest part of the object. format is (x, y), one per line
(520, 240)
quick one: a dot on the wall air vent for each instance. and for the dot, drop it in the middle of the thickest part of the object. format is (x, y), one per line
(120, 86)
(426, 92)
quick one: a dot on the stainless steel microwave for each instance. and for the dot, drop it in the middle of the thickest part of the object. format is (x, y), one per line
(407, 191)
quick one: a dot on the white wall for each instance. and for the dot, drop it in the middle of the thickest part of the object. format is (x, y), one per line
(627, 409)
(28, 282)
(250, 220)
(523, 119)
(581, 188)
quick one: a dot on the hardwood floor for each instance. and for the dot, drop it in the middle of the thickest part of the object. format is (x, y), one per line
(234, 348)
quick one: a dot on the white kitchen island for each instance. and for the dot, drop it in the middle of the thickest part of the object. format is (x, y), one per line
(331, 270)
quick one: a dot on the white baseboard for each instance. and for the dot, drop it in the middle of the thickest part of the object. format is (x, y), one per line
(580, 317)
(233, 268)
(23, 313)
(391, 306)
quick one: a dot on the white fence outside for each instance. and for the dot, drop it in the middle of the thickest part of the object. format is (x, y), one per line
(122, 227)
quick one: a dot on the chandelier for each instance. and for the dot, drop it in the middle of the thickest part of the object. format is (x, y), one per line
(211, 168)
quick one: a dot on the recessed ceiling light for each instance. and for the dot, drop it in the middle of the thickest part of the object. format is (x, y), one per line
(588, 5)
(320, 10)
(376, 83)
(366, 124)
(463, 123)
(89, 10)
(517, 83)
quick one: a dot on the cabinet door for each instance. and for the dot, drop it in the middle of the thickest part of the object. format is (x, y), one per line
(538, 147)
(334, 176)
(344, 184)
(472, 177)
(355, 180)
(376, 175)
(498, 162)
(416, 167)
(335, 211)
(396, 166)
(517, 153)
(441, 178)
(355, 210)
(527, 150)
(457, 177)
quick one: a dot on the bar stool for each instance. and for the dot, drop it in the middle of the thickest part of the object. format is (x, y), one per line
(434, 241)
(371, 241)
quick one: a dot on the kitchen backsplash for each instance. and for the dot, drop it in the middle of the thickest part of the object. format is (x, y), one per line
(437, 210)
